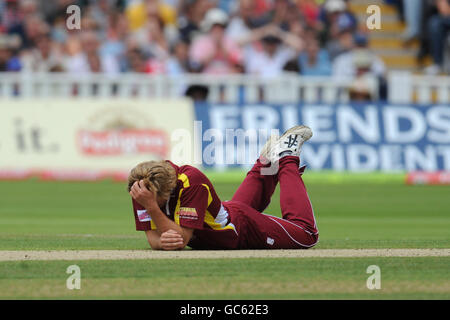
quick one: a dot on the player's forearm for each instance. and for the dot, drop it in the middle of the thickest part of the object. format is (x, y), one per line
(154, 239)
(162, 222)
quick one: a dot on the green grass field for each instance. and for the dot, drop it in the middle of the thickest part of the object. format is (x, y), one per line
(363, 212)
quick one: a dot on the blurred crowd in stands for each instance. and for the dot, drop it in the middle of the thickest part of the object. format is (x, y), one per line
(259, 37)
(427, 21)
(263, 37)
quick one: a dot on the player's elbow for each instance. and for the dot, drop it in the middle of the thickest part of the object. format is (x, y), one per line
(154, 245)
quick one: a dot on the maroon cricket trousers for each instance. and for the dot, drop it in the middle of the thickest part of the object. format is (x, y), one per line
(256, 230)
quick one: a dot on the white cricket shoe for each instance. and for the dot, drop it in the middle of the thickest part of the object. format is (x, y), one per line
(289, 144)
(264, 156)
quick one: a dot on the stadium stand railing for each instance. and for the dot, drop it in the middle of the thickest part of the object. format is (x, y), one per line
(403, 87)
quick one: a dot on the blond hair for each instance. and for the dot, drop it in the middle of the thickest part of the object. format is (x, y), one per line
(158, 176)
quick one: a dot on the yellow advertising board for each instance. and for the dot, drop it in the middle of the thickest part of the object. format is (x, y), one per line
(79, 134)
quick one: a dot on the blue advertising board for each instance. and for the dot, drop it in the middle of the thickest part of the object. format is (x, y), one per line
(353, 137)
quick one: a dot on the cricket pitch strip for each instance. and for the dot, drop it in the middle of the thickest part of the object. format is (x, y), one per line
(215, 254)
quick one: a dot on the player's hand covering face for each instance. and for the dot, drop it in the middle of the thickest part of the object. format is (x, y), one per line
(142, 195)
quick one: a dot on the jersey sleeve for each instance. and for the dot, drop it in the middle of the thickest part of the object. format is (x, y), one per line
(194, 202)
(141, 217)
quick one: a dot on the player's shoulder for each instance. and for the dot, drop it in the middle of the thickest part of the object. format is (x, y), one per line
(192, 176)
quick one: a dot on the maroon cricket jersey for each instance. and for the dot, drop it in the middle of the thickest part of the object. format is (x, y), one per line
(193, 204)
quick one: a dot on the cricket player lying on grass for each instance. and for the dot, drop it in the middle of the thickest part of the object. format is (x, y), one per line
(178, 206)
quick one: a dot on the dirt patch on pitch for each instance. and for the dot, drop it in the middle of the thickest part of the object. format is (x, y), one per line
(216, 254)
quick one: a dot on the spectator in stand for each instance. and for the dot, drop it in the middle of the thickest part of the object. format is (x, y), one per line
(278, 14)
(116, 37)
(45, 57)
(263, 37)
(11, 16)
(153, 34)
(214, 52)
(32, 28)
(262, 7)
(244, 22)
(153, 42)
(412, 12)
(343, 43)
(178, 63)
(361, 91)
(278, 47)
(337, 26)
(438, 30)
(428, 10)
(100, 12)
(74, 61)
(359, 61)
(192, 14)
(298, 27)
(85, 56)
(136, 61)
(314, 61)
(246, 30)
(226, 5)
(310, 11)
(139, 11)
(335, 17)
(59, 32)
(9, 62)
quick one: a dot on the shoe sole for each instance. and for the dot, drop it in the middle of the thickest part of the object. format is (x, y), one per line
(303, 131)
